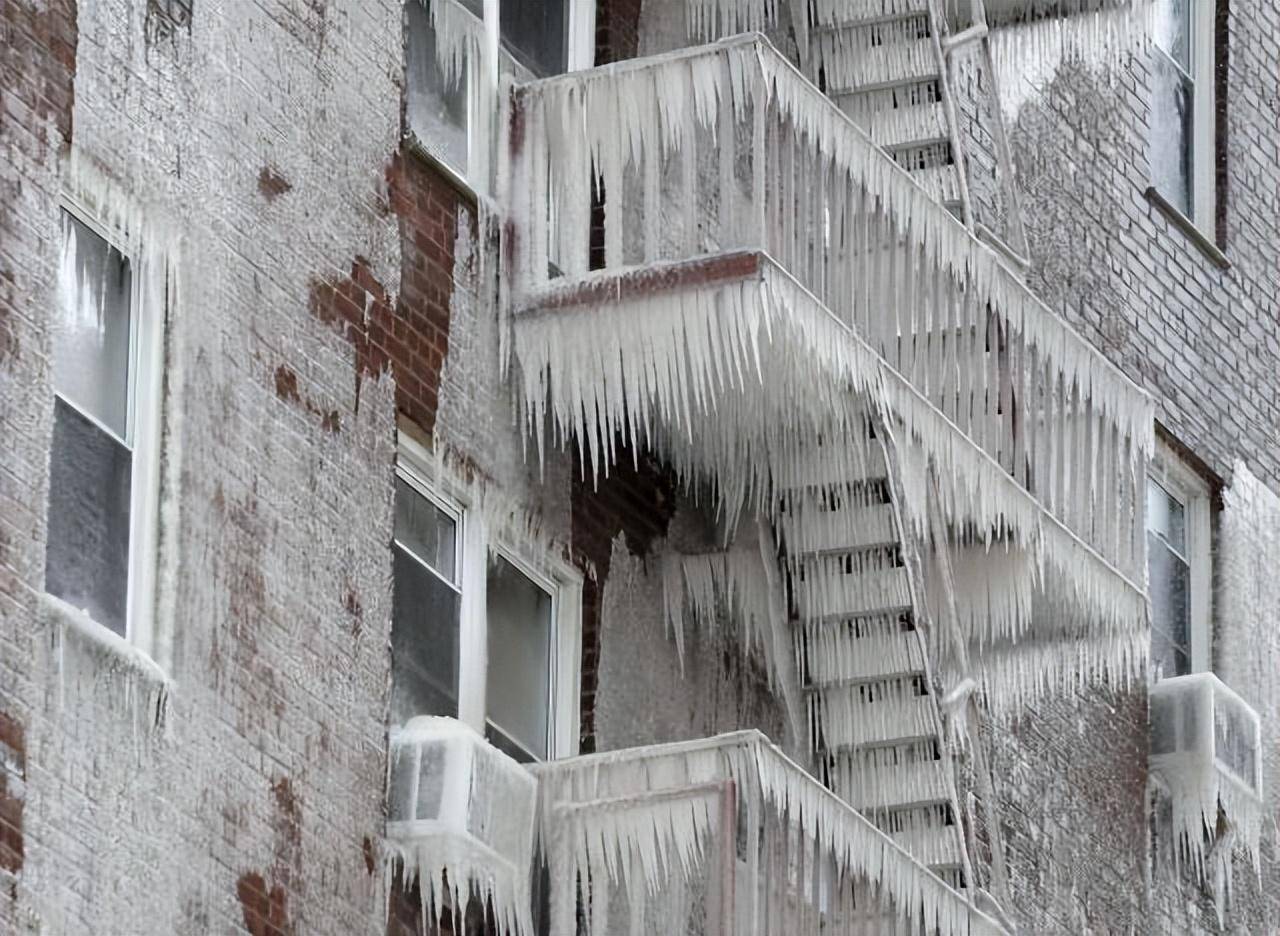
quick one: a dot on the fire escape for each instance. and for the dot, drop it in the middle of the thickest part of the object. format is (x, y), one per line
(793, 303)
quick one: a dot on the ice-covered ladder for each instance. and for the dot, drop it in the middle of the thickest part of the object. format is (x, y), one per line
(875, 724)
(888, 66)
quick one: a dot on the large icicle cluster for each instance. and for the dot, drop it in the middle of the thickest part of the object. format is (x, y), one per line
(743, 584)
(861, 289)
(633, 826)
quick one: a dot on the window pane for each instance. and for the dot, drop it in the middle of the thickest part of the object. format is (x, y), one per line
(91, 336)
(1171, 133)
(435, 91)
(1170, 586)
(87, 550)
(424, 642)
(1167, 516)
(535, 32)
(426, 531)
(1173, 31)
(519, 675)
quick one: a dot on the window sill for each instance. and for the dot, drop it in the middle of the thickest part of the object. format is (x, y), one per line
(88, 654)
(457, 181)
(1188, 227)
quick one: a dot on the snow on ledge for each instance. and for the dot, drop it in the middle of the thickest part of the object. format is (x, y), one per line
(88, 653)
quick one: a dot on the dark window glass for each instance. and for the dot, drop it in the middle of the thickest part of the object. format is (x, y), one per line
(535, 32)
(519, 675)
(87, 550)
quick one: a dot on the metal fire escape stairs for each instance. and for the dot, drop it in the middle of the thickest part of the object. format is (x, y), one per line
(854, 575)
(857, 609)
(891, 65)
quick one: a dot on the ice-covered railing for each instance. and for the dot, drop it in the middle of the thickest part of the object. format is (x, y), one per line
(765, 270)
(460, 821)
(728, 148)
(733, 837)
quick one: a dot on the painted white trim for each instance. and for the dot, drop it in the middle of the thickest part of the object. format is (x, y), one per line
(582, 35)
(1203, 131)
(428, 476)
(144, 385)
(1191, 490)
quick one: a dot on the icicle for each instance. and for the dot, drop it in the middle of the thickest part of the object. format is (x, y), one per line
(89, 655)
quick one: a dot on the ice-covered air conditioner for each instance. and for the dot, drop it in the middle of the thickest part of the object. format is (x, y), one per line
(460, 816)
(1198, 724)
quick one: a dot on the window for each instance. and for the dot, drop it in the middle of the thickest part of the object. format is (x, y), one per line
(480, 631)
(446, 108)
(1178, 570)
(1182, 109)
(98, 551)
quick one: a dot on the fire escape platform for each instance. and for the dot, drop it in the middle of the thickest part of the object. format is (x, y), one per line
(775, 850)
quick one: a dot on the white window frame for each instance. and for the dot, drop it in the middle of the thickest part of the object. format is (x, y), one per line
(562, 581)
(144, 387)
(1203, 52)
(1190, 490)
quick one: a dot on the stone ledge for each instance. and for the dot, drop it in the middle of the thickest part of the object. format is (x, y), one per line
(1188, 227)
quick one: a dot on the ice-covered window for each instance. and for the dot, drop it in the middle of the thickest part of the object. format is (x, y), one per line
(449, 107)
(441, 46)
(101, 483)
(481, 631)
(1178, 567)
(536, 33)
(1182, 109)
(427, 605)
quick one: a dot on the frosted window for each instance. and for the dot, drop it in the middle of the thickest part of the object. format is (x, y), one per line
(425, 616)
(519, 676)
(435, 100)
(1173, 106)
(1169, 581)
(87, 546)
(426, 531)
(535, 32)
(91, 462)
(92, 328)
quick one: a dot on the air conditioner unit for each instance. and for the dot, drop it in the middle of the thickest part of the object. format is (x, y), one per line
(1201, 729)
(460, 816)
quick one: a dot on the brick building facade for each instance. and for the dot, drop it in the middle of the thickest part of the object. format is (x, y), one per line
(339, 314)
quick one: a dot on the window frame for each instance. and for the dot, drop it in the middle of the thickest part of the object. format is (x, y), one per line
(561, 580)
(1202, 181)
(482, 131)
(142, 437)
(1184, 485)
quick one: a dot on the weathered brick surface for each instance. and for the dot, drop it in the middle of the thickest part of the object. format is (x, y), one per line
(1206, 343)
(261, 132)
